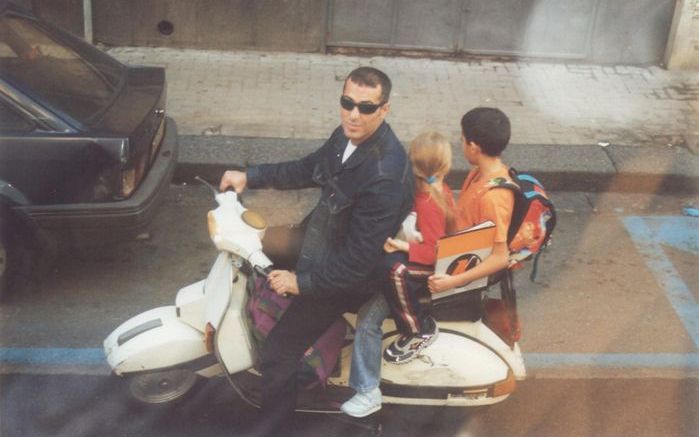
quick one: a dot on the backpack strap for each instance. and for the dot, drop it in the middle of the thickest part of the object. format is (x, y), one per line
(535, 265)
(500, 182)
(515, 219)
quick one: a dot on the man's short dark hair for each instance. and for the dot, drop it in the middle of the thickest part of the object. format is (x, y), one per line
(371, 77)
(487, 127)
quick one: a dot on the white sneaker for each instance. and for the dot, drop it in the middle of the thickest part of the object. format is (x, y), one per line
(363, 404)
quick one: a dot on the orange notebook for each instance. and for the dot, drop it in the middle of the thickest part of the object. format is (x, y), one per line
(463, 250)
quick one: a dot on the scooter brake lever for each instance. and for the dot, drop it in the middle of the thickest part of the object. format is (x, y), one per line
(204, 182)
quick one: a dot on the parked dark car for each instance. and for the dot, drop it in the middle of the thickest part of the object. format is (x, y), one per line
(86, 151)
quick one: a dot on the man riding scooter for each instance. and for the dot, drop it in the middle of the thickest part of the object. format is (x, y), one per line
(366, 191)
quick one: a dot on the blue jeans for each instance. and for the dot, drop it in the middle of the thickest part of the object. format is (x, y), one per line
(365, 373)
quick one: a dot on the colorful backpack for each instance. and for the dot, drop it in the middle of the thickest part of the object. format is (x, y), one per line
(533, 219)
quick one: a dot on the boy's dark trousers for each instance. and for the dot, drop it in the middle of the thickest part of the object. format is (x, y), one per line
(406, 292)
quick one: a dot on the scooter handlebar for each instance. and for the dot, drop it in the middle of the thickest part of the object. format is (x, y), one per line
(260, 262)
(202, 181)
(263, 271)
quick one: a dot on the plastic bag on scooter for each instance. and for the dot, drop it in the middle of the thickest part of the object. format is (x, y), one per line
(265, 308)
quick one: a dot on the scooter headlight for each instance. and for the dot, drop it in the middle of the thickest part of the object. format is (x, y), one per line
(254, 220)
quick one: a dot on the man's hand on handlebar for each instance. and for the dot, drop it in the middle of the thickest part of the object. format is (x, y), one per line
(283, 282)
(237, 180)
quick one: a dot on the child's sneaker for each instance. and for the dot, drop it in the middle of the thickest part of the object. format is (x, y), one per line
(363, 404)
(406, 347)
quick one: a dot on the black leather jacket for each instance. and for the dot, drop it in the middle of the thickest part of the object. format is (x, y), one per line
(362, 203)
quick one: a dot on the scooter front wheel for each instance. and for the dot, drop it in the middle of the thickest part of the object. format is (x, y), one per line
(162, 387)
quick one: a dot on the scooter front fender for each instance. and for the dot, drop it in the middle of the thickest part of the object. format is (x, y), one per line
(157, 339)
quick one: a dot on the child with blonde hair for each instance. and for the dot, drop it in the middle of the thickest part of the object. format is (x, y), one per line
(411, 263)
(407, 264)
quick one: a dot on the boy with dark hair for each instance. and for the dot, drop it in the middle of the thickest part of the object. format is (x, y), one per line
(487, 127)
(485, 132)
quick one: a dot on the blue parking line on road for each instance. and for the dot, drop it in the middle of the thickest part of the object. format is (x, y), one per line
(533, 361)
(654, 361)
(648, 233)
(52, 356)
(680, 232)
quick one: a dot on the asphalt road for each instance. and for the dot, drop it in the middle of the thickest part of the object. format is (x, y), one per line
(609, 349)
(90, 406)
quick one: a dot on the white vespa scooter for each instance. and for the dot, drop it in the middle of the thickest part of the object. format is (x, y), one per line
(163, 352)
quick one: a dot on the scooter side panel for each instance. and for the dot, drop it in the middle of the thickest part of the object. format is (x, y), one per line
(154, 340)
(482, 333)
(451, 361)
(454, 371)
(191, 303)
(234, 344)
(133, 324)
(218, 289)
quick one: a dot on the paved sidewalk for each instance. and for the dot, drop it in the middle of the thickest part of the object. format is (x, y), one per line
(647, 115)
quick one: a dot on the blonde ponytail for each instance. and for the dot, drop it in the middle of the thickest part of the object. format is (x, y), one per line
(430, 154)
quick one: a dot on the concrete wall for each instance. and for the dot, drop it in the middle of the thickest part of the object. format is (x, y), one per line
(231, 24)
(631, 31)
(66, 14)
(300, 25)
(683, 44)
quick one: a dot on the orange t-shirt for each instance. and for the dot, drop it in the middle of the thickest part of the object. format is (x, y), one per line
(478, 203)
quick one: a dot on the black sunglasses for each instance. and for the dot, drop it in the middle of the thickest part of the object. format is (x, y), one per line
(364, 108)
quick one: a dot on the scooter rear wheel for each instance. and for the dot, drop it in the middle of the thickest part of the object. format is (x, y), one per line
(162, 387)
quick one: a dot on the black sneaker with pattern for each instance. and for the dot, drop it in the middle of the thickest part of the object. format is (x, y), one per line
(407, 347)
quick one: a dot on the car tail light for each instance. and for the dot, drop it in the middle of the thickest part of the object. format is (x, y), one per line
(132, 177)
(128, 182)
(209, 337)
(157, 139)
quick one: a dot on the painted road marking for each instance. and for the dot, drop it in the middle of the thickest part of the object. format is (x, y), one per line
(90, 358)
(648, 234)
(60, 356)
(653, 361)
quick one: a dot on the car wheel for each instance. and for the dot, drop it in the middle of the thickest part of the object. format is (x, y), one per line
(3, 267)
(6, 262)
(14, 259)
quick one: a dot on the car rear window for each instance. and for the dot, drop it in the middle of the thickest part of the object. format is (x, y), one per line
(54, 71)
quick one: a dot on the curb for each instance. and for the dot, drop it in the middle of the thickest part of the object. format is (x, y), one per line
(588, 168)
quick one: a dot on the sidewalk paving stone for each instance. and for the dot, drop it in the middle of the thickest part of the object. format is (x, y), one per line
(211, 88)
(227, 96)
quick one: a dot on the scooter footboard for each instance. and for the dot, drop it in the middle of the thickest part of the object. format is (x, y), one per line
(156, 339)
